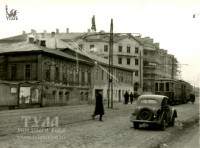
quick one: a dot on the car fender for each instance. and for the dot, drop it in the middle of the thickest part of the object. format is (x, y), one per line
(162, 116)
(174, 114)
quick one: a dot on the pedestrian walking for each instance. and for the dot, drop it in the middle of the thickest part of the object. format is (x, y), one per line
(131, 97)
(126, 98)
(192, 98)
(99, 109)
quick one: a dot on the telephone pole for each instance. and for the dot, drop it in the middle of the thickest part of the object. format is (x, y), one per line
(110, 82)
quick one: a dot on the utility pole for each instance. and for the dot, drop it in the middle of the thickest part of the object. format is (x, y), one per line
(140, 70)
(110, 82)
(173, 67)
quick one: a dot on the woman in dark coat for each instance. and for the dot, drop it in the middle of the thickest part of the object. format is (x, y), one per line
(126, 97)
(99, 109)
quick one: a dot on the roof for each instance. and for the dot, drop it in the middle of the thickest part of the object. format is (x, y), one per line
(157, 97)
(23, 37)
(18, 38)
(29, 47)
(105, 36)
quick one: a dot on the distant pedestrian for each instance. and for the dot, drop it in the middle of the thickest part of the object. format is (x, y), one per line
(192, 98)
(131, 97)
(126, 98)
(99, 109)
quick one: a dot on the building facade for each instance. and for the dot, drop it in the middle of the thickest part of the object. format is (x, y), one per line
(40, 76)
(127, 51)
(157, 63)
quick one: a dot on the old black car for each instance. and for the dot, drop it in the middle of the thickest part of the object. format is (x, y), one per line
(153, 109)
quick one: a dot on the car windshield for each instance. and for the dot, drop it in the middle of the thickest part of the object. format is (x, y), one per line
(148, 101)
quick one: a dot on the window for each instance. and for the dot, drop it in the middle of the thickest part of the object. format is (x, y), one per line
(156, 86)
(82, 76)
(128, 61)
(48, 71)
(119, 60)
(77, 78)
(54, 94)
(148, 101)
(136, 61)
(71, 76)
(91, 46)
(164, 102)
(27, 71)
(89, 77)
(128, 49)
(136, 73)
(161, 86)
(64, 75)
(102, 74)
(97, 74)
(167, 86)
(60, 95)
(13, 71)
(105, 48)
(120, 49)
(67, 96)
(57, 74)
(136, 49)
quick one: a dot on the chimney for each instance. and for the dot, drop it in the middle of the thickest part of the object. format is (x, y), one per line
(57, 31)
(67, 30)
(88, 30)
(44, 34)
(33, 31)
(43, 43)
(53, 34)
(23, 32)
(31, 39)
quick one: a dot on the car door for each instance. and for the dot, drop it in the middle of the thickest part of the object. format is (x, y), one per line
(165, 108)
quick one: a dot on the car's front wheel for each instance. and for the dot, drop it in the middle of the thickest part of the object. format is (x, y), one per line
(135, 125)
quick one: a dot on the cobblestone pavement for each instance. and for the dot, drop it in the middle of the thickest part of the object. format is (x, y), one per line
(78, 130)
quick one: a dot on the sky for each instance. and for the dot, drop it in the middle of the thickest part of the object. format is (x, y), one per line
(168, 22)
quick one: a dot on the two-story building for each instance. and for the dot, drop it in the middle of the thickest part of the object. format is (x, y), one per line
(127, 51)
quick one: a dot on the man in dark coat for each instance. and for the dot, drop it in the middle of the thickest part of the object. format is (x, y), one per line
(131, 97)
(99, 109)
(192, 98)
(126, 97)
